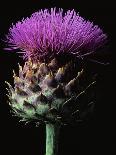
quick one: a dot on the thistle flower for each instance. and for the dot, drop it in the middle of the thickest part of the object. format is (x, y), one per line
(47, 89)
(48, 33)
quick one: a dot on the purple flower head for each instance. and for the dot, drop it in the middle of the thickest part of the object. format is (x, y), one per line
(48, 33)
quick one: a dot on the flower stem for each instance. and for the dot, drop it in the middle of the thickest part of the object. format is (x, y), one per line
(52, 132)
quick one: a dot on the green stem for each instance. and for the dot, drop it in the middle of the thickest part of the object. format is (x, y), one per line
(52, 132)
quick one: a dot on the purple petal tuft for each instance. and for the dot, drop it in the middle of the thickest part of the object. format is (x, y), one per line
(50, 32)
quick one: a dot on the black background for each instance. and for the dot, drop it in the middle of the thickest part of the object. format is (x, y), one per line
(96, 136)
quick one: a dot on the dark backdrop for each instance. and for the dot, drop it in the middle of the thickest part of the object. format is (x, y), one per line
(94, 137)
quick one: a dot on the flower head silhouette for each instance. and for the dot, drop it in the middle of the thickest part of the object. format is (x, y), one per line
(47, 89)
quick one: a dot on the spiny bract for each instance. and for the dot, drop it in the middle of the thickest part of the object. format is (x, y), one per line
(50, 92)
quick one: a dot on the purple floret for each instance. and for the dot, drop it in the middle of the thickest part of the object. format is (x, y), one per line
(53, 32)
